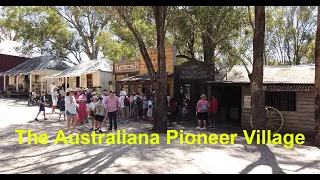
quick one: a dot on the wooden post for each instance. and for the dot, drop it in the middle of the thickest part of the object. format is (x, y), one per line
(41, 84)
(65, 84)
(209, 92)
(30, 81)
(17, 83)
(4, 82)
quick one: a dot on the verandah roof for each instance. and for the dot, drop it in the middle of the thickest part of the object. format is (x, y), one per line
(36, 64)
(86, 67)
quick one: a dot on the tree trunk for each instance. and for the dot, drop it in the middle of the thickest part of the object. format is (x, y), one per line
(316, 140)
(159, 79)
(160, 124)
(256, 79)
(208, 48)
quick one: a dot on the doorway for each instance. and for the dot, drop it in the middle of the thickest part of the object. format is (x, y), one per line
(185, 92)
(77, 81)
(229, 104)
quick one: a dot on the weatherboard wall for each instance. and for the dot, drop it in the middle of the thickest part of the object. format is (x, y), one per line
(299, 121)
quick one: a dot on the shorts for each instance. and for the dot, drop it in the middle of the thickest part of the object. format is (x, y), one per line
(124, 111)
(92, 114)
(203, 116)
(131, 105)
(213, 116)
(69, 114)
(62, 112)
(99, 118)
(41, 108)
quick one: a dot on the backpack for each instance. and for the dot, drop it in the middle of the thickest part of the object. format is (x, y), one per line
(204, 106)
(139, 101)
(126, 101)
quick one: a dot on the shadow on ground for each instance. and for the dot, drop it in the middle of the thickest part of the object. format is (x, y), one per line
(174, 158)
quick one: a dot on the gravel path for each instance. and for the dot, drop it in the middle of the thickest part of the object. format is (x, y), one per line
(174, 158)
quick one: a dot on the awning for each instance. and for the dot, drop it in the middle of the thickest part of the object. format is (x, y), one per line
(36, 64)
(138, 78)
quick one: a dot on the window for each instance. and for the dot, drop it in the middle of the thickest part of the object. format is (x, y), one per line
(37, 78)
(89, 80)
(282, 101)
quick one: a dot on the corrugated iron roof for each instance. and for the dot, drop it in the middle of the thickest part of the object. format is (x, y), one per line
(37, 64)
(87, 67)
(300, 74)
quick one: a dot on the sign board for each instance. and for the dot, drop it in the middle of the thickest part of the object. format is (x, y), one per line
(194, 70)
(247, 102)
(287, 88)
(126, 67)
(170, 53)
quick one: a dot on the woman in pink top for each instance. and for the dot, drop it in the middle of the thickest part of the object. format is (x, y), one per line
(112, 105)
(82, 110)
(202, 111)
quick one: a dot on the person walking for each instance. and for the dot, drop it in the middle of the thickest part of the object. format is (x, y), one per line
(202, 111)
(62, 108)
(42, 105)
(112, 105)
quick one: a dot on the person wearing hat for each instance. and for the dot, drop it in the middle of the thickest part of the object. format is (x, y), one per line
(71, 109)
(202, 109)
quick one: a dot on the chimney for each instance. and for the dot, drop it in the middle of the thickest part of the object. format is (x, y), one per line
(122, 58)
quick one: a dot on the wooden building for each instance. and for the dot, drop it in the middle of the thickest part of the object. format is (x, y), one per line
(27, 75)
(137, 78)
(288, 89)
(8, 62)
(93, 74)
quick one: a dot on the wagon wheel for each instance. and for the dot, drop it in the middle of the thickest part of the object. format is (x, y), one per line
(275, 119)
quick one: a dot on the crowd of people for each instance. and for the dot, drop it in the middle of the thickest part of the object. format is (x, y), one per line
(80, 107)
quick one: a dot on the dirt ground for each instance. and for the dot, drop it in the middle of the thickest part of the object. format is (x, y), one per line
(239, 158)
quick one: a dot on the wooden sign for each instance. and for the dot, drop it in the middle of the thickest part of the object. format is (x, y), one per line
(170, 52)
(126, 67)
(194, 70)
(295, 88)
(246, 102)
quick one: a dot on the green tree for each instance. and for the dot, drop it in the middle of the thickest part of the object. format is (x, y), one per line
(290, 34)
(159, 77)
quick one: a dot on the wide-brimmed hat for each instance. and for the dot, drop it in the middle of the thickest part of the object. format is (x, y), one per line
(69, 90)
(94, 97)
(203, 96)
(78, 90)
